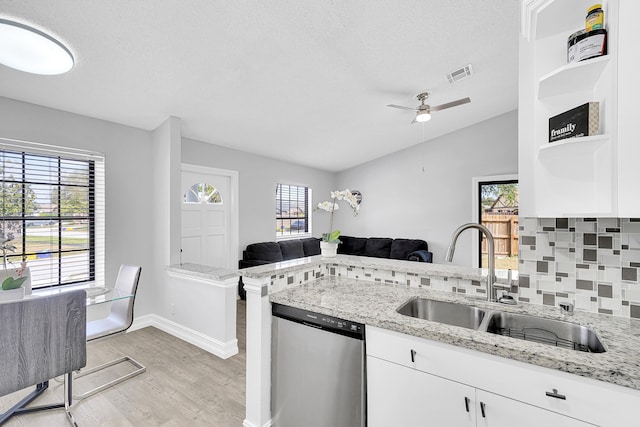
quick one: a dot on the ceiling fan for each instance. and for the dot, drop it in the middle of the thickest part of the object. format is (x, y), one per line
(423, 111)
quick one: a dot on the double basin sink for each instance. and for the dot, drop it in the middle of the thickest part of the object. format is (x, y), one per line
(521, 326)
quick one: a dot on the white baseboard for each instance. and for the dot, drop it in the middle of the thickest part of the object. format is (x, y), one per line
(141, 322)
(218, 348)
(246, 423)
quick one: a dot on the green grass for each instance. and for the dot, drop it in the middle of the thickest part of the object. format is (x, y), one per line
(45, 243)
(503, 262)
(35, 240)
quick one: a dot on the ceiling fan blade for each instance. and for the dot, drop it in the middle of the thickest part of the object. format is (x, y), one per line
(401, 107)
(413, 121)
(451, 104)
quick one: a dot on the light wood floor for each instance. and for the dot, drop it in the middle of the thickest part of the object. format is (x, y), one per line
(183, 385)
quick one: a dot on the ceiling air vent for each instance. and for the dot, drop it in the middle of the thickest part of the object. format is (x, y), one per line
(459, 74)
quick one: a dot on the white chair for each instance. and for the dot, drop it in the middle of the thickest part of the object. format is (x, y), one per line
(118, 321)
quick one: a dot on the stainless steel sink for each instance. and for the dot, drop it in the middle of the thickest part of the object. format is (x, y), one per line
(521, 326)
(545, 331)
(443, 312)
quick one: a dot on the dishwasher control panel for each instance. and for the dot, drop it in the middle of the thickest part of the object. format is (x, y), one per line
(320, 321)
(338, 323)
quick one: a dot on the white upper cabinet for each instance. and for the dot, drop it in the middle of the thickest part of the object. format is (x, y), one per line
(628, 110)
(592, 176)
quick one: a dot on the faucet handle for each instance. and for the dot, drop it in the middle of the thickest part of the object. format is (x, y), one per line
(507, 299)
(566, 307)
(502, 286)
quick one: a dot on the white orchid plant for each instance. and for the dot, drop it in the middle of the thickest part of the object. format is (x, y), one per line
(11, 282)
(333, 236)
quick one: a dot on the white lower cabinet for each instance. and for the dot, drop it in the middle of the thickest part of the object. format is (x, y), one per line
(417, 382)
(401, 396)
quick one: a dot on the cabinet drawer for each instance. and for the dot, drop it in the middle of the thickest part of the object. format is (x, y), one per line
(423, 355)
(582, 398)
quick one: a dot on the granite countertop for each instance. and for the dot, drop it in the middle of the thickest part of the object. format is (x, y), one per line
(422, 268)
(375, 304)
(203, 271)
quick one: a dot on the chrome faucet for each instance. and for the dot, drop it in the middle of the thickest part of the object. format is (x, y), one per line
(491, 288)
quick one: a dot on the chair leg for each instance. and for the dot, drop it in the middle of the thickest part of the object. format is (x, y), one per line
(68, 398)
(22, 408)
(140, 369)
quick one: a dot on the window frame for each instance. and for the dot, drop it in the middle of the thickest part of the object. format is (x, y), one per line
(94, 217)
(307, 217)
(476, 209)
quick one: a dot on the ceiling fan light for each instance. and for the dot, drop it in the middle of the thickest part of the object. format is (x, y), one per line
(423, 116)
(28, 49)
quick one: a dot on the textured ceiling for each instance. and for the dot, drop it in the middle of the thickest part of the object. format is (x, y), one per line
(302, 81)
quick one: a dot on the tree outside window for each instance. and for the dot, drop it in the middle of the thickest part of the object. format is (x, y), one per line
(499, 213)
(47, 204)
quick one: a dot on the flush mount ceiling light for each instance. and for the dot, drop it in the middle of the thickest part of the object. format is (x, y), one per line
(28, 49)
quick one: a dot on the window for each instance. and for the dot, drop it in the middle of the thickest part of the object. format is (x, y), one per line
(203, 193)
(292, 210)
(52, 209)
(498, 211)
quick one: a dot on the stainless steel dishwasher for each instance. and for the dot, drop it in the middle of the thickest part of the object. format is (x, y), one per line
(317, 370)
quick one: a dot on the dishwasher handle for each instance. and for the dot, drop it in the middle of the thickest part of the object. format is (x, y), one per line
(311, 325)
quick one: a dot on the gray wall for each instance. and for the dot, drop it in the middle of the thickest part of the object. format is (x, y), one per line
(257, 184)
(128, 233)
(425, 191)
(422, 192)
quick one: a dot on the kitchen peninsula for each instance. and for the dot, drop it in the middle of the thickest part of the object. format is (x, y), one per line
(369, 290)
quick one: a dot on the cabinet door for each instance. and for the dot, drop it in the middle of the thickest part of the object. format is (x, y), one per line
(497, 411)
(628, 89)
(402, 396)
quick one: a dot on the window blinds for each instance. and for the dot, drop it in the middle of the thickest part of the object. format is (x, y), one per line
(52, 212)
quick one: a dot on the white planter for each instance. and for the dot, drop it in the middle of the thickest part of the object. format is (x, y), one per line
(12, 294)
(328, 250)
(14, 272)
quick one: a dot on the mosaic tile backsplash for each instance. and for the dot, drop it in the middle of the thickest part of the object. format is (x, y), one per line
(590, 262)
(280, 282)
(452, 283)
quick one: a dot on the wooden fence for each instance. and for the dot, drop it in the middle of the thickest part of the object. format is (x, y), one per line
(505, 233)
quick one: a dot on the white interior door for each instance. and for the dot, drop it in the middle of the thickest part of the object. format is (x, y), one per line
(207, 231)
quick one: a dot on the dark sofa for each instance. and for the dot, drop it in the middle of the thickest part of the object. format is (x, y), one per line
(268, 252)
(376, 247)
(382, 247)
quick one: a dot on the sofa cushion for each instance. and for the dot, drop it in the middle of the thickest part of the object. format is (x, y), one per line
(352, 245)
(246, 263)
(401, 248)
(378, 247)
(265, 251)
(311, 246)
(291, 249)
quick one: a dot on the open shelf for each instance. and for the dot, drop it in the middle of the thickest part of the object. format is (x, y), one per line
(560, 16)
(571, 141)
(569, 78)
(574, 176)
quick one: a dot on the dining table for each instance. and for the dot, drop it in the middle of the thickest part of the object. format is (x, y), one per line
(95, 295)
